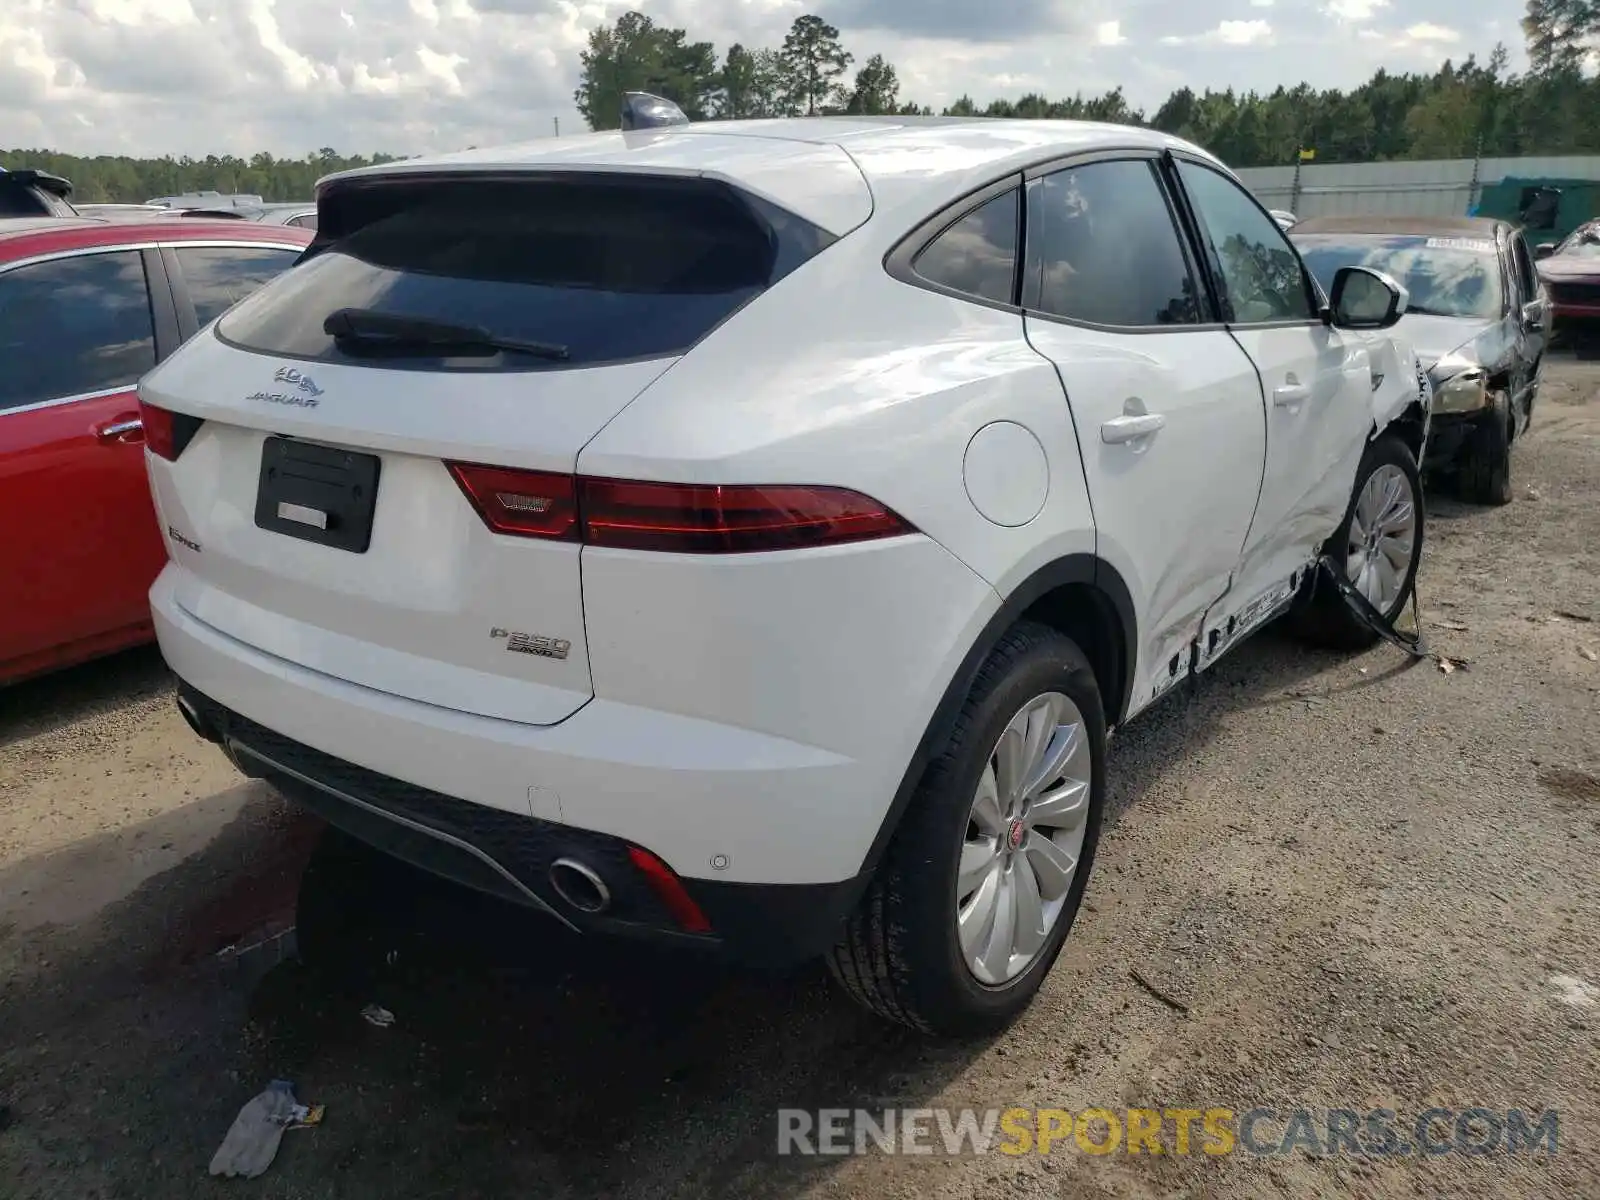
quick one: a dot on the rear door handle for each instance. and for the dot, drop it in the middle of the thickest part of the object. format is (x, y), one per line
(1131, 428)
(124, 429)
(1291, 395)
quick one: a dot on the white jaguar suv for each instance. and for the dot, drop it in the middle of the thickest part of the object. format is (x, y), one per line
(743, 535)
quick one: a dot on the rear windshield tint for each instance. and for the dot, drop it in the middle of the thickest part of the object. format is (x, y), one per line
(611, 269)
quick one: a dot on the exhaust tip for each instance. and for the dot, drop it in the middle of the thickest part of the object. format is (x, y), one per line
(579, 886)
(196, 722)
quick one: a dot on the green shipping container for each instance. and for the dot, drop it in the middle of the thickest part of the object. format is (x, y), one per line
(1548, 209)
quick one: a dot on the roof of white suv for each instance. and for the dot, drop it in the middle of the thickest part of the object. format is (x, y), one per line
(834, 171)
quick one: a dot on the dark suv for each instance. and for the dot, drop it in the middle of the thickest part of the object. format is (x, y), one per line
(1476, 316)
(34, 194)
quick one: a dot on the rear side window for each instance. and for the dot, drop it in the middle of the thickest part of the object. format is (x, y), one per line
(1103, 249)
(304, 221)
(976, 256)
(606, 269)
(72, 326)
(219, 277)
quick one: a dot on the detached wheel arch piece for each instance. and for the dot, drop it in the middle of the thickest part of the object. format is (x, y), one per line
(1378, 546)
(984, 876)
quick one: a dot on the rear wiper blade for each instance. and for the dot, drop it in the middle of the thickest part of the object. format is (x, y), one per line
(382, 330)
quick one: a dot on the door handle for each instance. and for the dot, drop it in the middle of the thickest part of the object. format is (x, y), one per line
(1131, 427)
(126, 430)
(1291, 395)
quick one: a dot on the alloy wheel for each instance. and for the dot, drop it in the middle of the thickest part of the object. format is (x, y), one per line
(1024, 839)
(1383, 531)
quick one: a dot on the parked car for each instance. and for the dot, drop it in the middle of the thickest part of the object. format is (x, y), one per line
(1476, 315)
(1570, 270)
(34, 194)
(121, 212)
(731, 539)
(86, 307)
(302, 216)
(208, 198)
(1283, 217)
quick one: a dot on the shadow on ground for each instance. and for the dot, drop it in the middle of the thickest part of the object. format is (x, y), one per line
(519, 1060)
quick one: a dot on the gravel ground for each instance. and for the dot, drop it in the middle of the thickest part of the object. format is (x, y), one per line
(1359, 886)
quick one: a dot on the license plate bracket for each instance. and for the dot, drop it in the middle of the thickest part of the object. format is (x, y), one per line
(317, 493)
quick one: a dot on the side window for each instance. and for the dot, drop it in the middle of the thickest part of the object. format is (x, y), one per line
(221, 276)
(304, 221)
(1527, 280)
(1102, 249)
(1262, 279)
(72, 326)
(978, 254)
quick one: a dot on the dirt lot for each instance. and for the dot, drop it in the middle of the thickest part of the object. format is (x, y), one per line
(1369, 886)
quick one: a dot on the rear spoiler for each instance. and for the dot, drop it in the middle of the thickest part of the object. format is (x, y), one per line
(43, 180)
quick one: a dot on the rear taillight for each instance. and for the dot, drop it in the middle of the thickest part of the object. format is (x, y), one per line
(526, 503)
(167, 433)
(672, 517)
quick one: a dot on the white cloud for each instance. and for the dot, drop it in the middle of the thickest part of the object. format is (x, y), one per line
(1355, 11)
(1426, 31)
(1241, 33)
(1227, 33)
(412, 76)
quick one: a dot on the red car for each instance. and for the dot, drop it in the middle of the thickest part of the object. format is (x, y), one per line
(86, 308)
(1571, 270)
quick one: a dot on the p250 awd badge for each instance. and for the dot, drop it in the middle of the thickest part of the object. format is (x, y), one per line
(533, 643)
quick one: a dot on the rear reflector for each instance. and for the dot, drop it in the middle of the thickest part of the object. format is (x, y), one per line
(672, 517)
(167, 433)
(669, 890)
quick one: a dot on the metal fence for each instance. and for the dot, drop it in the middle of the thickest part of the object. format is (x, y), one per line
(1441, 187)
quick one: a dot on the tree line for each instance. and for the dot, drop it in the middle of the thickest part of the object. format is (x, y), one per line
(1456, 111)
(119, 179)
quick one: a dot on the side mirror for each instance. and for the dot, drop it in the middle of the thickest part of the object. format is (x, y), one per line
(1544, 249)
(1365, 299)
(1533, 316)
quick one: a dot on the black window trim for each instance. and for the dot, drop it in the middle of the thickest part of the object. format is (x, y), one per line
(188, 321)
(1213, 268)
(898, 261)
(163, 316)
(1102, 154)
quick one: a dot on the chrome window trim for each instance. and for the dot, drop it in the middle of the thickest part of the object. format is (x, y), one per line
(118, 247)
(101, 394)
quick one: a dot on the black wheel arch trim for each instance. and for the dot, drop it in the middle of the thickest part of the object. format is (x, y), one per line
(1081, 569)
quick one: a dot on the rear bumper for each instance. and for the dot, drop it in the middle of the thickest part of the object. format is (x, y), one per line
(509, 856)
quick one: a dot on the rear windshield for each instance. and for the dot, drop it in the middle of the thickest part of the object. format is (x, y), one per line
(1445, 276)
(608, 269)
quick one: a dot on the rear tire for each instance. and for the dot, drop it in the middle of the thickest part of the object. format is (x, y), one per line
(1484, 476)
(902, 954)
(1325, 619)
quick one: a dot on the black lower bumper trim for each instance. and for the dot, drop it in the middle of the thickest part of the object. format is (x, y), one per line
(508, 855)
(1448, 434)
